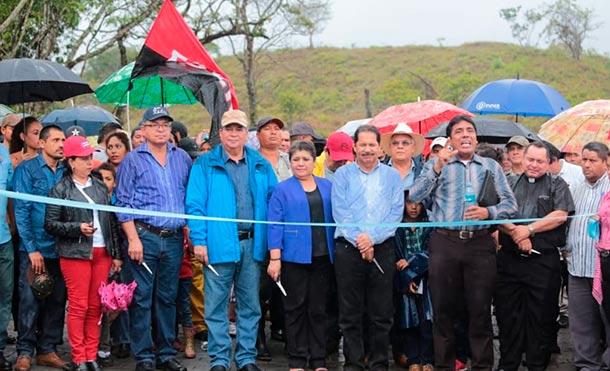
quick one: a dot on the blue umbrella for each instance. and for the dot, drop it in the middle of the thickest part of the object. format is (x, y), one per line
(515, 97)
(90, 118)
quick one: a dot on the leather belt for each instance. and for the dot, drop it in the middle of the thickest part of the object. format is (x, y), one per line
(245, 235)
(463, 234)
(161, 232)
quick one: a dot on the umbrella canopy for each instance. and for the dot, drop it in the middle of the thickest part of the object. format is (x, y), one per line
(33, 80)
(572, 129)
(90, 118)
(350, 127)
(147, 91)
(4, 110)
(420, 116)
(490, 130)
(516, 97)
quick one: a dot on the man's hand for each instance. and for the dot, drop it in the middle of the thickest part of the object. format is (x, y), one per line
(525, 246)
(476, 213)
(136, 250)
(201, 254)
(413, 288)
(37, 262)
(369, 255)
(443, 156)
(364, 243)
(520, 233)
(401, 264)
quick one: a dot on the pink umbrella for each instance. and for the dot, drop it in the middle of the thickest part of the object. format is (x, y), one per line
(116, 297)
(421, 116)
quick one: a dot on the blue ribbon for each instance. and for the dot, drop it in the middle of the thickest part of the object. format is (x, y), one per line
(162, 214)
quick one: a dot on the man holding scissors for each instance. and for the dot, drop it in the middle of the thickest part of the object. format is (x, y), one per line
(231, 181)
(366, 193)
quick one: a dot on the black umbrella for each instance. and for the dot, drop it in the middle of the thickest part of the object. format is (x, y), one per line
(490, 130)
(33, 80)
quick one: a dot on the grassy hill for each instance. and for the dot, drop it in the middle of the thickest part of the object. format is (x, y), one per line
(325, 86)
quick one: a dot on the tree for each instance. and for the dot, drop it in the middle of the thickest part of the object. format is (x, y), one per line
(563, 22)
(309, 17)
(569, 25)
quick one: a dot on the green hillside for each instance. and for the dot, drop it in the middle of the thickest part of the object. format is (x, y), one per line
(325, 86)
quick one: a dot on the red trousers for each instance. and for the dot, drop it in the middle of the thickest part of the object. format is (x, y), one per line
(83, 278)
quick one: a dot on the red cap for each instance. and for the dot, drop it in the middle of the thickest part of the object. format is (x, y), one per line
(77, 146)
(340, 146)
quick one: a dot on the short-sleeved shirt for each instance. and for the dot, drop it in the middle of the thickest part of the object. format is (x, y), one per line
(539, 197)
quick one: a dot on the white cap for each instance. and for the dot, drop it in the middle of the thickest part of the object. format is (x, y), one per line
(439, 141)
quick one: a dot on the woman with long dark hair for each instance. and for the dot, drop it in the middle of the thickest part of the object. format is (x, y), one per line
(25, 140)
(87, 244)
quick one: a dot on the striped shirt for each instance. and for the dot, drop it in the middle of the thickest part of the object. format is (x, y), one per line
(587, 198)
(447, 189)
(142, 183)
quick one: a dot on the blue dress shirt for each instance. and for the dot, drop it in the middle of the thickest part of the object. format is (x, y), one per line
(6, 180)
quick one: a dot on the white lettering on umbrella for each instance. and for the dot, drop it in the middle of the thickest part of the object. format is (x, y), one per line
(482, 105)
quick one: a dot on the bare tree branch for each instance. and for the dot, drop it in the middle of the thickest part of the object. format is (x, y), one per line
(14, 14)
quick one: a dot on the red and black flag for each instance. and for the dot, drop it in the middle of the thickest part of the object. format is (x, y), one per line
(173, 51)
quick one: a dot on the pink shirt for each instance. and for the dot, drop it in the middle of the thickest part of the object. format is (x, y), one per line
(603, 244)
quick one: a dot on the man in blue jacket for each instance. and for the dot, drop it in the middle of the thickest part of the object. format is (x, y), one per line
(41, 321)
(231, 181)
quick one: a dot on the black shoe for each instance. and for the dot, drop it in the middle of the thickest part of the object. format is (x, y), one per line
(278, 335)
(105, 361)
(250, 367)
(121, 351)
(77, 367)
(218, 368)
(171, 365)
(202, 335)
(93, 366)
(4, 364)
(145, 366)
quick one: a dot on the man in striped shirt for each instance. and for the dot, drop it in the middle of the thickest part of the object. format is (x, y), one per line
(462, 270)
(586, 318)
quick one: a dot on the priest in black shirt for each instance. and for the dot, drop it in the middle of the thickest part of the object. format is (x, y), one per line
(529, 265)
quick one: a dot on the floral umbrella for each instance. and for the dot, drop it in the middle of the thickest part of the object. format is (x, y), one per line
(572, 129)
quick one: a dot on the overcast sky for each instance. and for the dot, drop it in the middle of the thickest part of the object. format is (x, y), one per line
(363, 23)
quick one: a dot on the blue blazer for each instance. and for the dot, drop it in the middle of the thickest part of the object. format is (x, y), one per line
(289, 204)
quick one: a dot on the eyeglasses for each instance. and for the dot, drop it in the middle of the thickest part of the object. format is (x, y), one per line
(164, 125)
(402, 142)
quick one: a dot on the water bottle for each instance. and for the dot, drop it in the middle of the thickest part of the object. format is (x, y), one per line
(470, 198)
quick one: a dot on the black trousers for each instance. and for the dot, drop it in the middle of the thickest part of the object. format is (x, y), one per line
(605, 265)
(364, 290)
(305, 311)
(526, 307)
(462, 273)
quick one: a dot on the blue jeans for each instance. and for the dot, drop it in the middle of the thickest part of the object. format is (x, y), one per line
(41, 322)
(185, 318)
(244, 275)
(163, 256)
(6, 289)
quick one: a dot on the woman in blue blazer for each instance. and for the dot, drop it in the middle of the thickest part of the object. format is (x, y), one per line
(302, 255)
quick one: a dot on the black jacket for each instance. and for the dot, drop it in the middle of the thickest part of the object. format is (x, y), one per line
(64, 222)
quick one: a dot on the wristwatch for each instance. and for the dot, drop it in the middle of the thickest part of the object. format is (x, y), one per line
(531, 229)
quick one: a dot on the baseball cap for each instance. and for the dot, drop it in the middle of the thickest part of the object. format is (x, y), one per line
(302, 128)
(439, 141)
(77, 146)
(234, 117)
(12, 119)
(75, 130)
(267, 120)
(41, 284)
(340, 146)
(403, 128)
(518, 139)
(154, 113)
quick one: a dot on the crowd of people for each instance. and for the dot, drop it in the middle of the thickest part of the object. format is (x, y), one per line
(343, 255)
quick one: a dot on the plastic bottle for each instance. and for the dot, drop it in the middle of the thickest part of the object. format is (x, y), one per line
(470, 198)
